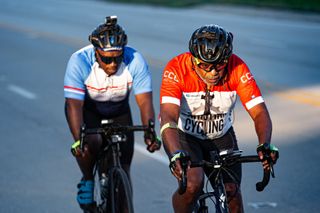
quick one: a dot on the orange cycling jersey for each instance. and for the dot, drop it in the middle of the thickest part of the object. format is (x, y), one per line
(207, 113)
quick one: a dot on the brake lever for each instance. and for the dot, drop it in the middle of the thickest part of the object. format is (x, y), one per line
(272, 170)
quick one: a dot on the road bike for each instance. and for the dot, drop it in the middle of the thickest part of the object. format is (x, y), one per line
(112, 187)
(219, 162)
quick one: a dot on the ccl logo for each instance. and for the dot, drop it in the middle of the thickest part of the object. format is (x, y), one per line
(170, 75)
(246, 77)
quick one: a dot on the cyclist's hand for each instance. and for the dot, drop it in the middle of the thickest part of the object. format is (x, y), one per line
(268, 154)
(153, 143)
(180, 160)
(77, 152)
(274, 156)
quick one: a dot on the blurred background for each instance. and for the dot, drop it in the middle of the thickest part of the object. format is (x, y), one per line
(278, 40)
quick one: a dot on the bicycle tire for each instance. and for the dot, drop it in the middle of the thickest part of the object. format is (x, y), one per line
(119, 187)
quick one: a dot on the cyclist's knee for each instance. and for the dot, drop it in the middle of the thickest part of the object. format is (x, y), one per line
(195, 184)
(94, 143)
(234, 197)
(232, 189)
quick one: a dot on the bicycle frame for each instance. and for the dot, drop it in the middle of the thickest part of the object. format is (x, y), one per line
(100, 167)
(107, 173)
(219, 162)
(219, 192)
(220, 195)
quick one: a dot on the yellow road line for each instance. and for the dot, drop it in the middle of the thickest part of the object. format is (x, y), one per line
(300, 96)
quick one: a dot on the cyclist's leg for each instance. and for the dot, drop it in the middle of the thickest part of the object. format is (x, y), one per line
(232, 186)
(92, 120)
(186, 202)
(195, 176)
(86, 163)
(234, 197)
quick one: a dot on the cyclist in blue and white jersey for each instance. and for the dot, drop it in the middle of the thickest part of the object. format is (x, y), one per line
(97, 84)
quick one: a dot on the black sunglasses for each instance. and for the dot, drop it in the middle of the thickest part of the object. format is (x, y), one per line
(109, 60)
(208, 67)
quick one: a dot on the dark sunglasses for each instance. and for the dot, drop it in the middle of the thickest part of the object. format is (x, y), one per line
(208, 67)
(109, 60)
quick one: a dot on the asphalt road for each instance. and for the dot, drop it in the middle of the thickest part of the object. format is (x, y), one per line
(38, 174)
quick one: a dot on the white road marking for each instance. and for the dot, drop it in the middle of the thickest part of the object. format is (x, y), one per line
(257, 205)
(156, 156)
(21, 91)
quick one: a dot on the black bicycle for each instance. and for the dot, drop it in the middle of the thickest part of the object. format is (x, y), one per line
(219, 163)
(112, 187)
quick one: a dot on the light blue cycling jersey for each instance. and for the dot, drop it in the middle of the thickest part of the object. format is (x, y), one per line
(85, 80)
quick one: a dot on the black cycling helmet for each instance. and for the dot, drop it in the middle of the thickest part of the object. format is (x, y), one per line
(211, 43)
(109, 35)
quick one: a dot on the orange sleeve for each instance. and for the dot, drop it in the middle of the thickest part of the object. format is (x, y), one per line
(170, 91)
(246, 88)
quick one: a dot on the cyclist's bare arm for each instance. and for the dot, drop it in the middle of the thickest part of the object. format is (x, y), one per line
(169, 113)
(144, 102)
(74, 110)
(263, 126)
(262, 122)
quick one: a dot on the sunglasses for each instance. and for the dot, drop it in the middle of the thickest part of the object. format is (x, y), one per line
(109, 60)
(208, 67)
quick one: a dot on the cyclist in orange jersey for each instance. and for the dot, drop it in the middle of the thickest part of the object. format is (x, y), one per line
(198, 94)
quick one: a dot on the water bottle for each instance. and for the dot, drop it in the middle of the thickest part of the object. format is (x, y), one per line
(104, 186)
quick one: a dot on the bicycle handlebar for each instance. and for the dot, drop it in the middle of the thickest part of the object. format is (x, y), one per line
(115, 129)
(266, 173)
(238, 159)
(110, 129)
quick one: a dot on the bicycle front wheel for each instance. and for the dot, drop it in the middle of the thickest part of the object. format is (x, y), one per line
(120, 192)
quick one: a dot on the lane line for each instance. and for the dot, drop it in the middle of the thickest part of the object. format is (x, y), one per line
(156, 156)
(258, 205)
(306, 95)
(300, 98)
(22, 92)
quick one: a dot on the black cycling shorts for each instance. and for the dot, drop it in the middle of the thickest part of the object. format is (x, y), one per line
(92, 119)
(200, 150)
